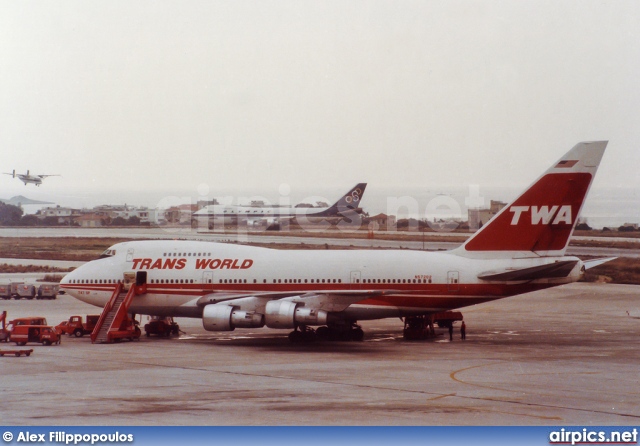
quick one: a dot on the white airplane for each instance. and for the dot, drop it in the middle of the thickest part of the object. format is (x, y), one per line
(521, 249)
(346, 206)
(27, 178)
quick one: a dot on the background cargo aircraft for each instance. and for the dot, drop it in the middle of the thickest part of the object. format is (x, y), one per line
(27, 178)
(520, 250)
(223, 214)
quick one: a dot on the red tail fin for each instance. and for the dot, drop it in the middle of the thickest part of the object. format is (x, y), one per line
(542, 219)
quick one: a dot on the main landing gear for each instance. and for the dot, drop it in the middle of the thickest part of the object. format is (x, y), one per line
(346, 332)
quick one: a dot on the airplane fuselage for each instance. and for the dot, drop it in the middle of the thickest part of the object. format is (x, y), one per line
(345, 207)
(28, 179)
(177, 274)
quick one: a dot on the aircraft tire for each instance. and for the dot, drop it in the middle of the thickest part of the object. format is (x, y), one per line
(323, 333)
(357, 334)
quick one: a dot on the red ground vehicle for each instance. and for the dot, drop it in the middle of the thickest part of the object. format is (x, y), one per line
(162, 326)
(44, 334)
(75, 326)
(129, 329)
(16, 352)
(32, 320)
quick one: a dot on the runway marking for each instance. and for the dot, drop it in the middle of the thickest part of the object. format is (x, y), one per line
(558, 373)
(441, 396)
(452, 375)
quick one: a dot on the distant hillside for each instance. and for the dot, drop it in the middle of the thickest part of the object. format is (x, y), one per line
(22, 200)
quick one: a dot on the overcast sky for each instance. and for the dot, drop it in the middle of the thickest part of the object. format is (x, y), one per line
(161, 96)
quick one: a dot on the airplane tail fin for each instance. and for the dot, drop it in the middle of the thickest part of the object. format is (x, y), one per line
(541, 220)
(349, 201)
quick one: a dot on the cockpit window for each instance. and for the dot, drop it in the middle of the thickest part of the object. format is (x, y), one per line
(108, 253)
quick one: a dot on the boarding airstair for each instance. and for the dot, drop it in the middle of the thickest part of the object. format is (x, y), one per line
(114, 323)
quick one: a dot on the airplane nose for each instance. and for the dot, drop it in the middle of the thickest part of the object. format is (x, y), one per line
(66, 280)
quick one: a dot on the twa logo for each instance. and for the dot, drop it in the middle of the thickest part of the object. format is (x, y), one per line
(543, 214)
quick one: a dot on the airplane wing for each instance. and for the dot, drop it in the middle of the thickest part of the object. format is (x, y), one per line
(548, 271)
(326, 300)
(45, 176)
(334, 301)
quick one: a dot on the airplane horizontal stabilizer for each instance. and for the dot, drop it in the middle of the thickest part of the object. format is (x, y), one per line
(588, 264)
(548, 271)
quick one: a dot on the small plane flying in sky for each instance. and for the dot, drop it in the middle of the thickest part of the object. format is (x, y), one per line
(218, 214)
(228, 286)
(27, 178)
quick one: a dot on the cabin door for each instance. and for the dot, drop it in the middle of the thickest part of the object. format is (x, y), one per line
(453, 280)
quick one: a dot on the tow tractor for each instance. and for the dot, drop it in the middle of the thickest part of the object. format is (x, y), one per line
(75, 326)
(422, 327)
(162, 326)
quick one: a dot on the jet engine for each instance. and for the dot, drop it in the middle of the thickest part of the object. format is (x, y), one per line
(287, 314)
(227, 318)
(277, 314)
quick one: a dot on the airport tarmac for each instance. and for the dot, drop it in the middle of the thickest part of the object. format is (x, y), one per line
(565, 356)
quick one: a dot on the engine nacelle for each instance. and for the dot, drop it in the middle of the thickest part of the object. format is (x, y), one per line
(287, 314)
(310, 316)
(227, 318)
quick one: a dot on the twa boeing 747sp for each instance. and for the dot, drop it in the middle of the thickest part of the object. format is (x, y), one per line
(521, 249)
